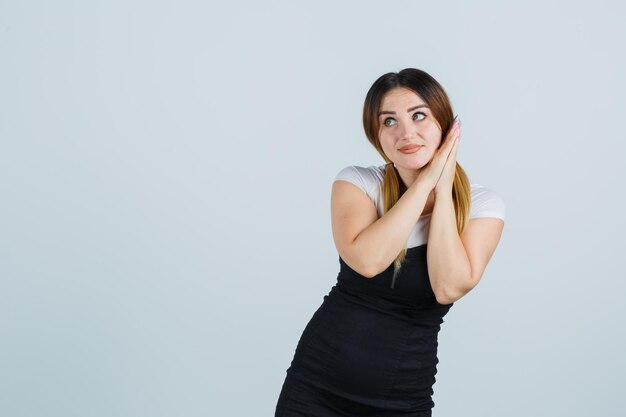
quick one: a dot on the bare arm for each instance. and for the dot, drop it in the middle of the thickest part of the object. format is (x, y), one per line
(449, 268)
(369, 245)
(457, 263)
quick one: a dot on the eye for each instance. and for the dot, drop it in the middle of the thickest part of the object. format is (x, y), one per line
(414, 114)
(386, 120)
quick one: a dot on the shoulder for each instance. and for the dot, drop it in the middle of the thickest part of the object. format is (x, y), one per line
(486, 202)
(366, 178)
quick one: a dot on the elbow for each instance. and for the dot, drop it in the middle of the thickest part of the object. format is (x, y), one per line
(450, 295)
(369, 271)
(359, 261)
(375, 267)
(444, 298)
(365, 269)
(369, 267)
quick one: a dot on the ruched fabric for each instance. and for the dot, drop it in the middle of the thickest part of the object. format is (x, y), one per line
(370, 349)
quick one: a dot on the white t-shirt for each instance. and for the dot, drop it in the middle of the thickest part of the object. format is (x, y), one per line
(485, 202)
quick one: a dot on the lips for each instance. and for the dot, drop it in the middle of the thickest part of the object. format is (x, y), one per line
(409, 147)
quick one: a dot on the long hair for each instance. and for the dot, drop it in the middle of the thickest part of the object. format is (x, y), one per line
(436, 98)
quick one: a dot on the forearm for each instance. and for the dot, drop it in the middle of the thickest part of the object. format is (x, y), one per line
(381, 242)
(449, 268)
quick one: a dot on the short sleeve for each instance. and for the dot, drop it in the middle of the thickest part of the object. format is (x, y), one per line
(486, 203)
(353, 175)
(366, 178)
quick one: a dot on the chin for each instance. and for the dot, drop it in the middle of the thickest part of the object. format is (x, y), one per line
(413, 164)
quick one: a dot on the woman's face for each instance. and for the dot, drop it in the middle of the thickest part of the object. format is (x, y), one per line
(405, 119)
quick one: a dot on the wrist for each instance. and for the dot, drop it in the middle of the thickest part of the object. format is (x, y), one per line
(421, 187)
(443, 192)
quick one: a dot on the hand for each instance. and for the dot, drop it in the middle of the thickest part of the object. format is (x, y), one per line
(430, 173)
(446, 180)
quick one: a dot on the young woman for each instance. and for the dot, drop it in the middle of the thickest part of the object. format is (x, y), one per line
(413, 236)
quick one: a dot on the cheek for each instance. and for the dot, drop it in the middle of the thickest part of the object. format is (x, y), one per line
(386, 143)
(436, 140)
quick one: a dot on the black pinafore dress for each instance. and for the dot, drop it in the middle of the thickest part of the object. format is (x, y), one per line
(370, 349)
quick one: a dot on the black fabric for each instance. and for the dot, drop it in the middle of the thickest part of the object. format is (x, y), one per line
(370, 349)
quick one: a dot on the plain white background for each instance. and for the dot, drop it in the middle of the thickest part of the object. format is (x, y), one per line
(165, 173)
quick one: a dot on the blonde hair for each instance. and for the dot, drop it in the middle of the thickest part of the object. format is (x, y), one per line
(436, 98)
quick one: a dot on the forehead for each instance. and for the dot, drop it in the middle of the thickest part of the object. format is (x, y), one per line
(400, 97)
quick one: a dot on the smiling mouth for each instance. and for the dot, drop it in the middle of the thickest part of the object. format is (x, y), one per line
(410, 148)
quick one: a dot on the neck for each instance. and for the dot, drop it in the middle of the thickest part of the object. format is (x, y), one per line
(408, 176)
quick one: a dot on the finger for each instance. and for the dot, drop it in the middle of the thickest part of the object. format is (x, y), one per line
(455, 148)
(451, 141)
(445, 161)
(457, 131)
(451, 159)
(448, 168)
(445, 148)
(456, 125)
(444, 151)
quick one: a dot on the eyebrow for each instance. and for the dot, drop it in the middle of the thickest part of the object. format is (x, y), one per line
(408, 110)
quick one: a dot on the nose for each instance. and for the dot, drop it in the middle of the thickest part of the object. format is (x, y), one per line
(407, 131)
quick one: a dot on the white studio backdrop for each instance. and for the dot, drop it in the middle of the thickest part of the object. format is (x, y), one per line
(165, 173)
